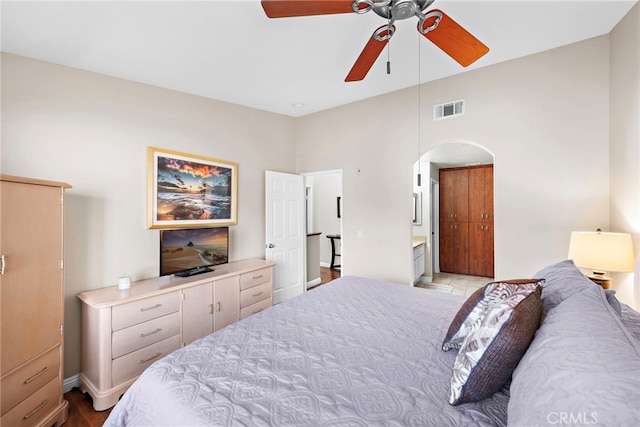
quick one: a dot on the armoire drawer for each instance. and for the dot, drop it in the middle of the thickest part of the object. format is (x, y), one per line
(31, 410)
(253, 295)
(255, 308)
(25, 381)
(125, 315)
(131, 365)
(143, 334)
(248, 280)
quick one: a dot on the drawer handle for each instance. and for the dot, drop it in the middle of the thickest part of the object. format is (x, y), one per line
(151, 358)
(257, 277)
(258, 294)
(257, 311)
(28, 380)
(150, 308)
(150, 333)
(32, 413)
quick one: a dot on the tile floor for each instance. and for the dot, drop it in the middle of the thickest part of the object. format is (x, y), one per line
(457, 283)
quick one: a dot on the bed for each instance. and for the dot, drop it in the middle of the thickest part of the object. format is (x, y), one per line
(361, 352)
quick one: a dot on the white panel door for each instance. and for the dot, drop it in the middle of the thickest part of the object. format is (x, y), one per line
(285, 233)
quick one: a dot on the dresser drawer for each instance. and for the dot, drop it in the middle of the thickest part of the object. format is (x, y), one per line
(255, 294)
(257, 277)
(131, 365)
(255, 308)
(35, 407)
(25, 381)
(125, 315)
(143, 334)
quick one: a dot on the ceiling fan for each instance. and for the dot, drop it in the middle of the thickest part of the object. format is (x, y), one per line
(435, 25)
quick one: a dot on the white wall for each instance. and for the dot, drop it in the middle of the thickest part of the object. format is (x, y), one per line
(625, 144)
(545, 117)
(93, 131)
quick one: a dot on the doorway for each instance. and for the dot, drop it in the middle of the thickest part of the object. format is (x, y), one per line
(324, 226)
(446, 154)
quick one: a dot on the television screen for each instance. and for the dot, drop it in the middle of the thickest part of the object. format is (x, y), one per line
(190, 251)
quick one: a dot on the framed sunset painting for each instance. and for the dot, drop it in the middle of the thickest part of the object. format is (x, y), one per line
(190, 191)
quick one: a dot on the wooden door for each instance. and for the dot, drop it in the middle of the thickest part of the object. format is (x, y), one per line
(481, 194)
(481, 249)
(481, 221)
(454, 214)
(226, 294)
(454, 194)
(32, 283)
(454, 247)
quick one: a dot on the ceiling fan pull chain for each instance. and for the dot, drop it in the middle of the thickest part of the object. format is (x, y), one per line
(390, 22)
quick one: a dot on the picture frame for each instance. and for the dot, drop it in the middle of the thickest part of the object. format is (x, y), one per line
(417, 209)
(186, 190)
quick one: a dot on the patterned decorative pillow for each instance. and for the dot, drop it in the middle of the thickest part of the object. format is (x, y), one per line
(479, 302)
(492, 349)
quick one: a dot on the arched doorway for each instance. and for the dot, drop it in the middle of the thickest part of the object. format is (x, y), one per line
(446, 155)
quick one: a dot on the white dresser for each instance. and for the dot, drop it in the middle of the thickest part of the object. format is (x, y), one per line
(123, 332)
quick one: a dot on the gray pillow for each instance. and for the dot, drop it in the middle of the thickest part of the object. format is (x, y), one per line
(562, 280)
(582, 366)
(613, 301)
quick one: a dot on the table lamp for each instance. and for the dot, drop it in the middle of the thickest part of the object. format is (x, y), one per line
(602, 252)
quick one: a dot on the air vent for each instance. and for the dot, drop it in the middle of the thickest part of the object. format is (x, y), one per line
(448, 109)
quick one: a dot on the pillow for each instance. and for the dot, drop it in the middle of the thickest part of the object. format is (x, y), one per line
(480, 301)
(562, 280)
(494, 346)
(613, 301)
(583, 365)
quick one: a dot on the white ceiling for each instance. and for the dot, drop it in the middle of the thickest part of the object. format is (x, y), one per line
(230, 51)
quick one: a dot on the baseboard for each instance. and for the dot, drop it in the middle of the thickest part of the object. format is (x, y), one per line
(71, 382)
(313, 283)
(325, 264)
(426, 279)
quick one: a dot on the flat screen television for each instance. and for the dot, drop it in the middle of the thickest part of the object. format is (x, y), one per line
(190, 251)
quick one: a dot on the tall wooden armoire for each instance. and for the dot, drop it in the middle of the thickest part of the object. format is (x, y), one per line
(32, 292)
(466, 220)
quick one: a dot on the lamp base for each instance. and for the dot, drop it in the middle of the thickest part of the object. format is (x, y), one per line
(599, 278)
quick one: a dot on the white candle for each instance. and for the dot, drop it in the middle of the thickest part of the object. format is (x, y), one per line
(124, 282)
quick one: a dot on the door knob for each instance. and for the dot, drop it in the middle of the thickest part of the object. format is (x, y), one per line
(271, 246)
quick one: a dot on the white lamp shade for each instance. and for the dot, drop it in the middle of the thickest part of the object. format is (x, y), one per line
(602, 251)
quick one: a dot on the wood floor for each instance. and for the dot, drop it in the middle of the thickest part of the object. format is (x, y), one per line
(328, 274)
(81, 412)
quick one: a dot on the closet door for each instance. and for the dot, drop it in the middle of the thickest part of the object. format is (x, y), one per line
(454, 215)
(32, 285)
(481, 194)
(454, 247)
(481, 249)
(454, 195)
(481, 221)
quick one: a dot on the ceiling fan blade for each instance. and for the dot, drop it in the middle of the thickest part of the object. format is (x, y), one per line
(289, 8)
(452, 38)
(370, 53)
